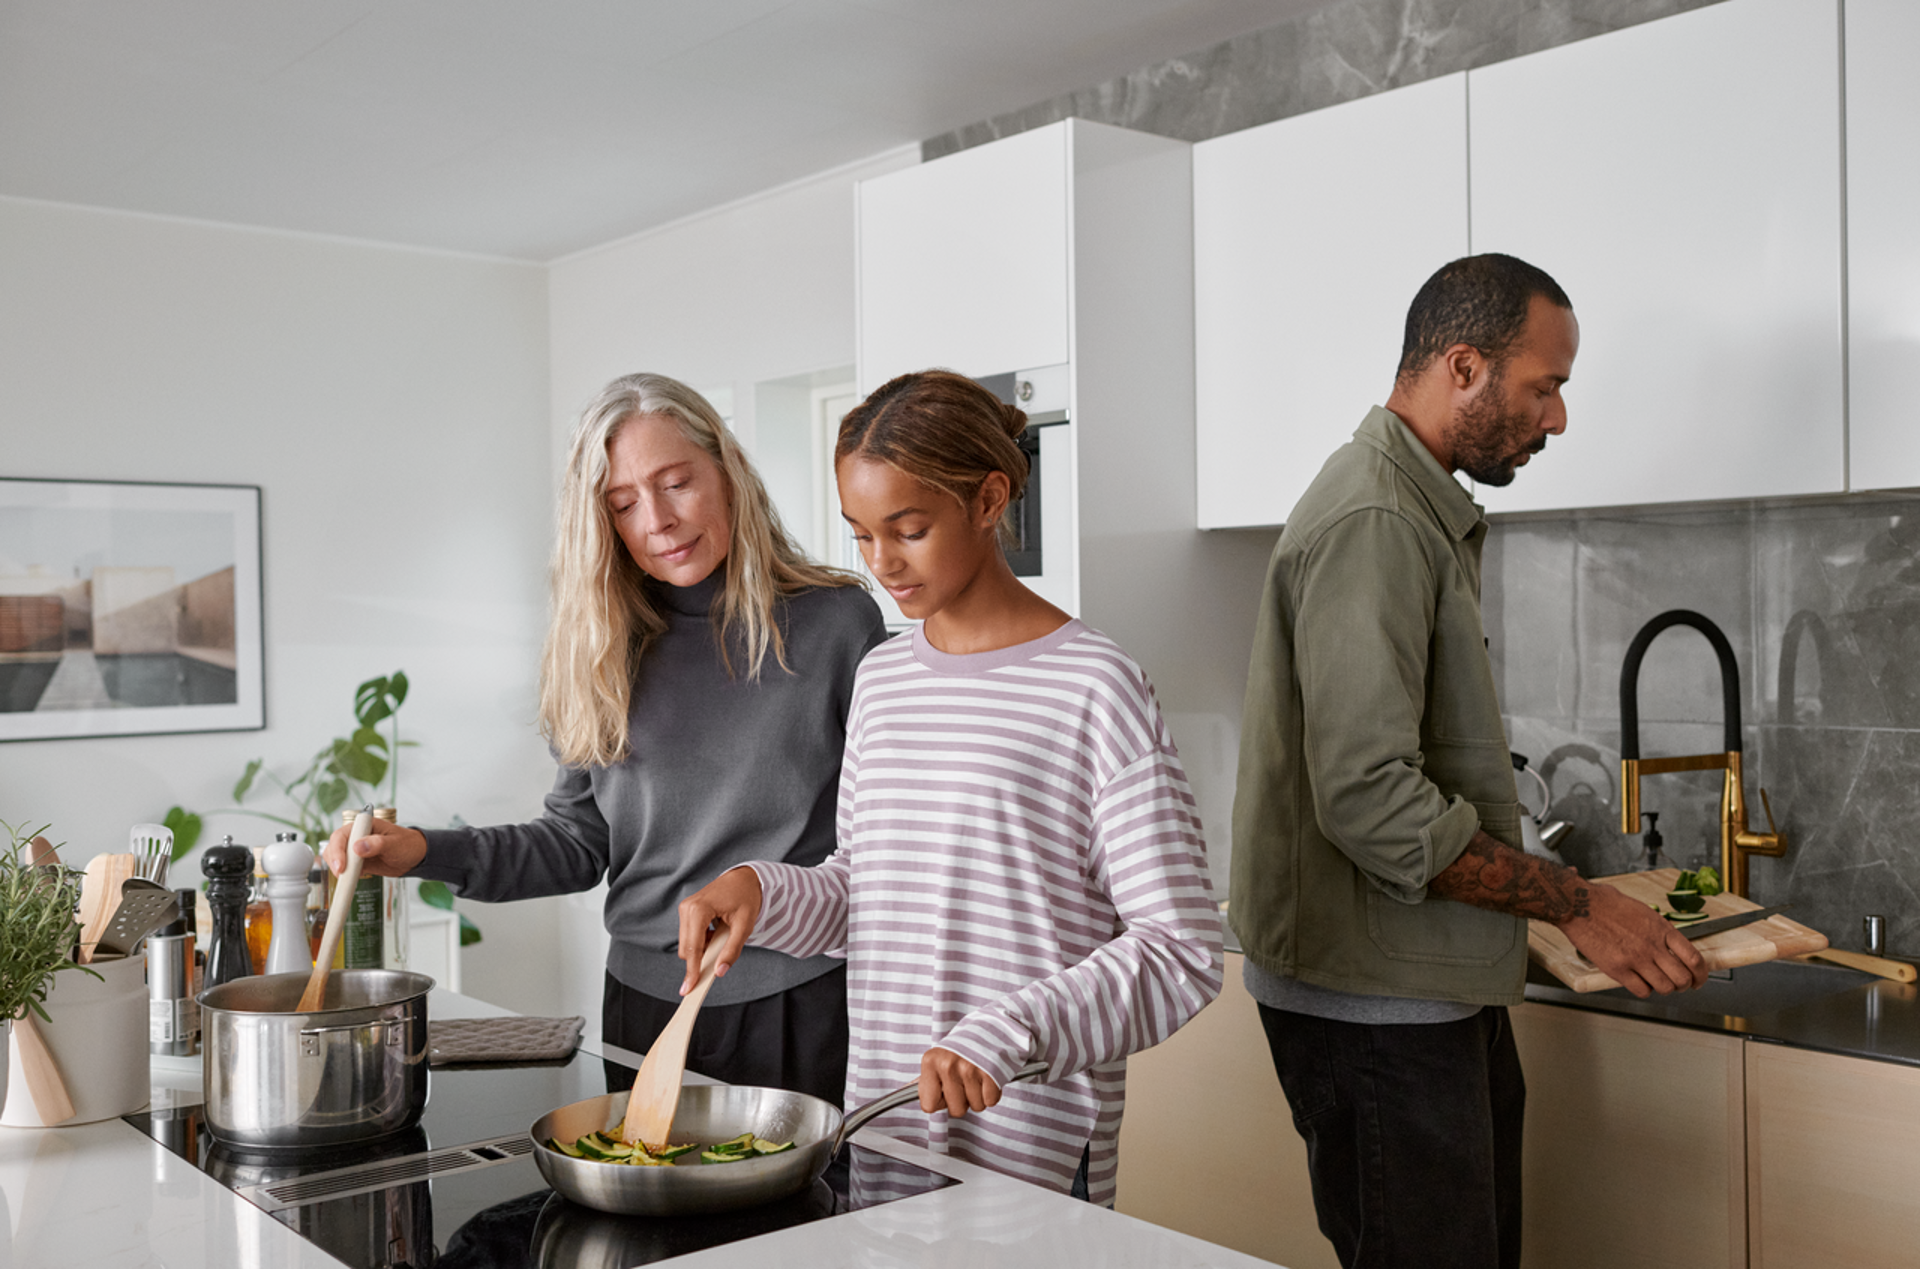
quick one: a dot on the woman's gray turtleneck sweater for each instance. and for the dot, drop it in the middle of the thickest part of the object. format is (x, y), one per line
(722, 770)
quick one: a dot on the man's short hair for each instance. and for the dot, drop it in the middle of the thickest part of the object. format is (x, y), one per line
(1480, 301)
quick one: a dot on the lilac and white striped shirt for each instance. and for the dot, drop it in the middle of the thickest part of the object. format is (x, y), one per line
(1020, 875)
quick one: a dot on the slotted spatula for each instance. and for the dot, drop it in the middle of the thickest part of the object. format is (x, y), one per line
(656, 1089)
(145, 906)
(99, 894)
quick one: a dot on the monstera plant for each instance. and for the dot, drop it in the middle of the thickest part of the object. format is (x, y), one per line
(346, 771)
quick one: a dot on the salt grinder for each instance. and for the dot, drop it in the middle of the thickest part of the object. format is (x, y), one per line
(287, 862)
(229, 870)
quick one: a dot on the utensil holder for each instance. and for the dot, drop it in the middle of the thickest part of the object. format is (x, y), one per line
(96, 1030)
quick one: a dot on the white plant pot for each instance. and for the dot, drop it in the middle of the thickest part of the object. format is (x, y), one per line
(97, 1033)
(6, 1055)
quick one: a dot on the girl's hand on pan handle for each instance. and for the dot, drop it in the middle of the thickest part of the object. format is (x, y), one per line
(389, 851)
(949, 1081)
(727, 908)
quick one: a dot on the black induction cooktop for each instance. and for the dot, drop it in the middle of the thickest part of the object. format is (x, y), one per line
(461, 1191)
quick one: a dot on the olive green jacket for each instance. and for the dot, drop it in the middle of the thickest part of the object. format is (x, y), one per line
(1372, 747)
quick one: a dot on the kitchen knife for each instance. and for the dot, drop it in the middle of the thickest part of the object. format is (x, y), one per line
(1720, 925)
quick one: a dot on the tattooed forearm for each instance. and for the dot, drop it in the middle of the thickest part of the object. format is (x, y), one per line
(1490, 874)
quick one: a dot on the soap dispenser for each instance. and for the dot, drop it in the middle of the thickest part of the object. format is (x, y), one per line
(1653, 839)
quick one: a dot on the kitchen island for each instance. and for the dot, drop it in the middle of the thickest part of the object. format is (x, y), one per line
(107, 1196)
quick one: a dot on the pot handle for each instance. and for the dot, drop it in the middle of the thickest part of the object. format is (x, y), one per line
(354, 1026)
(858, 1119)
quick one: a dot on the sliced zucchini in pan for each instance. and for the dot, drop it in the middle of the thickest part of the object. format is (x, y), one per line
(728, 1156)
(674, 1152)
(565, 1147)
(762, 1146)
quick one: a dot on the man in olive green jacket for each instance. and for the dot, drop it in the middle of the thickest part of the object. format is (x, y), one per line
(1378, 888)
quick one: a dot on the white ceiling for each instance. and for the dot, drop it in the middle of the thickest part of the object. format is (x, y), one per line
(528, 129)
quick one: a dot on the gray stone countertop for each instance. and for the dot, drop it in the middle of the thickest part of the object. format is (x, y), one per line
(1804, 1005)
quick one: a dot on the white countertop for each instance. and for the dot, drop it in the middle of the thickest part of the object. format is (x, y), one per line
(107, 1196)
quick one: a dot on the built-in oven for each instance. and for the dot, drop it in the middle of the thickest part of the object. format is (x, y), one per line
(1042, 542)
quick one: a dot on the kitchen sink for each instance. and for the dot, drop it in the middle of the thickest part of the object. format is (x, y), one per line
(1752, 990)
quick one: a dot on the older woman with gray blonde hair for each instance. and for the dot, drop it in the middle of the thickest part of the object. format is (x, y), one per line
(694, 689)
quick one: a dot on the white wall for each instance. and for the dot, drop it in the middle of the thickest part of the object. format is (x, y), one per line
(755, 291)
(759, 289)
(393, 406)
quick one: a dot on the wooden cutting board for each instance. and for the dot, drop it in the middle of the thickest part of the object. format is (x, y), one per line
(1763, 940)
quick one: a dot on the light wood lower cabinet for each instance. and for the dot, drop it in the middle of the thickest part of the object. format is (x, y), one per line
(1647, 1145)
(1833, 1160)
(1635, 1145)
(1208, 1147)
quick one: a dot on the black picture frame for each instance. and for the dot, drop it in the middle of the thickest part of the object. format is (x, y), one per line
(129, 608)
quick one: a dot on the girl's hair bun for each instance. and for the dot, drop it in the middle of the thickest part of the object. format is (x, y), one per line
(943, 429)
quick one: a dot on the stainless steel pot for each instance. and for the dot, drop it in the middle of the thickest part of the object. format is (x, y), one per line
(353, 1070)
(709, 1113)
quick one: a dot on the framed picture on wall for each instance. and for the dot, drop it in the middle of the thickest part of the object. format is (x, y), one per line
(129, 609)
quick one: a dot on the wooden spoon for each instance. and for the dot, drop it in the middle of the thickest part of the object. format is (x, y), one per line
(1898, 971)
(656, 1089)
(100, 897)
(336, 916)
(49, 1091)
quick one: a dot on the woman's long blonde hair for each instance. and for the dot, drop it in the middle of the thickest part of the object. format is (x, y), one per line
(603, 617)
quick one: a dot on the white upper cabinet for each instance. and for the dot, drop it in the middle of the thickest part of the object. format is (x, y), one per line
(985, 230)
(1883, 242)
(1681, 179)
(1311, 235)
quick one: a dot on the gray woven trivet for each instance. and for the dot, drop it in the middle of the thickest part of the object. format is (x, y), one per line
(454, 1040)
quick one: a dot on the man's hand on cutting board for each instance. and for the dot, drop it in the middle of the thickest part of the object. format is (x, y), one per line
(1634, 945)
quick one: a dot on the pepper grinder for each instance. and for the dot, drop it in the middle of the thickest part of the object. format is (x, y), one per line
(229, 870)
(287, 862)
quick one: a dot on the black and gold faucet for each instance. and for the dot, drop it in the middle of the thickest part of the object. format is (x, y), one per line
(1736, 840)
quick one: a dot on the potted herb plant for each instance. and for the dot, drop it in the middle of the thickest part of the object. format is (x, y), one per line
(37, 931)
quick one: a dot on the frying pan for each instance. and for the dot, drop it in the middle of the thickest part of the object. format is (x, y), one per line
(709, 1113)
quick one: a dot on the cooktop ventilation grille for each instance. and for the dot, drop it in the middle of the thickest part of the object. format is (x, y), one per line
(364, 1178)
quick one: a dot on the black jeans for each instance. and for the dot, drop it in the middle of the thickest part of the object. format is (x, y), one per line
(795, 1039)
(1413, 1136)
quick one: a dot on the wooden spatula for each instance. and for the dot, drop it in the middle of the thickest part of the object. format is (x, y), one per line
(336, 916)
(656, 1089)
(42, 1073)
(99, 896)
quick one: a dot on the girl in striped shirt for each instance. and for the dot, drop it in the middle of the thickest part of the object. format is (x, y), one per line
(1020, 873)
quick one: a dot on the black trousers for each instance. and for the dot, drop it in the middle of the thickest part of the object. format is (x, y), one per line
(795, 1039)
(1413, 1136)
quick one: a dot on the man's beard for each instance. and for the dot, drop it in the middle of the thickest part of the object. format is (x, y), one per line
(1487, 437)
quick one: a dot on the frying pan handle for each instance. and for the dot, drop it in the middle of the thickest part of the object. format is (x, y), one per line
(858, 1119)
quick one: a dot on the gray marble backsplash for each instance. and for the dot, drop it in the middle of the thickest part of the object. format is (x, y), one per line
(1821, 602)
(1342, 50)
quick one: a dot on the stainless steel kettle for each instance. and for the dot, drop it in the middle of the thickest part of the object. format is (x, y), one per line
(1538, 834)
